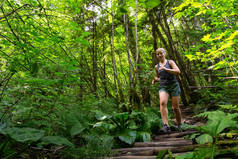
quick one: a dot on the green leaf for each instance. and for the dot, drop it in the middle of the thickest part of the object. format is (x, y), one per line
(185, 156)
(161, 154)
(84, 42)
(152, 3)
(76, 129)
(202, 153)
(23, 134)
(123, 9)
(207, 38)
(84, 34)
(145, 136)
(193, 136)
(205, 138)
(104, 125)
(57, 140)
(100, 115)
(132, 125)
(128, 137)
(120, 119)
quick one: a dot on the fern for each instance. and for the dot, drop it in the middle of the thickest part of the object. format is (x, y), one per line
(217, 122)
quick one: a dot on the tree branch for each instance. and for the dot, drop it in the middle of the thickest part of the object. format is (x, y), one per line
(12, 12)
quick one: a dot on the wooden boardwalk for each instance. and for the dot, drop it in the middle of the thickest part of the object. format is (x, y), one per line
(175, 142)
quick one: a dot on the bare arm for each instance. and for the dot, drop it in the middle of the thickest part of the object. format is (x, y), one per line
(174, 70)
(156, 79)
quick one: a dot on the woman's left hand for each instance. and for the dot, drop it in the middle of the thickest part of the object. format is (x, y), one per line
(162, 68)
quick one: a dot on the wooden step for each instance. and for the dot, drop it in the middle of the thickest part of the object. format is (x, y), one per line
(168, 139)
(133, 157)
(148, 151)
(163, 143)
(177, 134)
(143, 157)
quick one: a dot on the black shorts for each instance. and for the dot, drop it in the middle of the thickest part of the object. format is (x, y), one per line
(172, 89)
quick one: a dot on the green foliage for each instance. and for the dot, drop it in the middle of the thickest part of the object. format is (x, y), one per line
(57, 85)
(56, 140)
(23, 134)
(6, 149)
(128, 137)
(76, 129)
(217, 123)
(185, 156)
(152, 3)
(203, 139)
(97, 146)
(162, 154)
(219, 23)
(229, 107)
(127, 127)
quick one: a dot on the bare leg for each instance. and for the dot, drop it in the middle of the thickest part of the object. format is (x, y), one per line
(176, 109)
(163, 106)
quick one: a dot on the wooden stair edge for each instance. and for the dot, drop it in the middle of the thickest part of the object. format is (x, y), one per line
(176, 134)
(143, 157)
(163, 143)
(145, 151)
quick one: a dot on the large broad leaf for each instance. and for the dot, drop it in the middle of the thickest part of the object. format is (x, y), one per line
(203, 139)
(23, 134)
(145, 136)
(121, 120)
(100, 115)
(76, 129)
(104, 125)
(121, 116)
(57, 140)
(129, 137)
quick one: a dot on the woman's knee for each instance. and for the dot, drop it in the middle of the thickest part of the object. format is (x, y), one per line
(175, 107)
(163, 103)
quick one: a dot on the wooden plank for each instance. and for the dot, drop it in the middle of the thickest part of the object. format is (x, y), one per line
(178, 134)
(142, 157)
(133, 157)
(163, 143)
(168, 139)
(147, 151)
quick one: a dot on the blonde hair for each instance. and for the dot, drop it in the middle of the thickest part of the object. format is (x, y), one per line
(161, 50)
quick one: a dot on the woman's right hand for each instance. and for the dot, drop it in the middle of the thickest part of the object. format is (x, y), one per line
(156, 79)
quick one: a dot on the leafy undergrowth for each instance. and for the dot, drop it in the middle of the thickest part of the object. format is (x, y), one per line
(39, 120)
(217, 139)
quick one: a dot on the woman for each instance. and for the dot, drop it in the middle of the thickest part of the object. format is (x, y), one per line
(166, 72)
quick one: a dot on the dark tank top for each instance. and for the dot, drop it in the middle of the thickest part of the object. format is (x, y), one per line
(166, 78)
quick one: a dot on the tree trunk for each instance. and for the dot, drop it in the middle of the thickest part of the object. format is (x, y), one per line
(114, 64)
(131, 67)
(104, 81)
(134, 98)
(154, 35)
(94, 58)
(139, 69)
